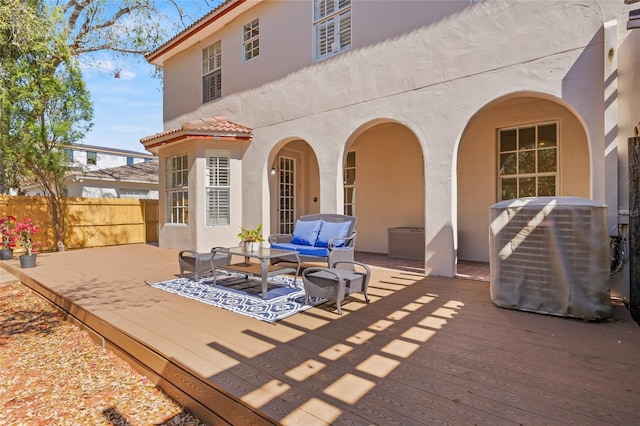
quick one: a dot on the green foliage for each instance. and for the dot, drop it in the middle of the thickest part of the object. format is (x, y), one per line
(251, 235)
(44, 103)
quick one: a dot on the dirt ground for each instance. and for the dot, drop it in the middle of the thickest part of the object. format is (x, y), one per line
(51, 372)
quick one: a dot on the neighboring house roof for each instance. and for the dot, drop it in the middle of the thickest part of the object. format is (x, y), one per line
(144, 172)
(202, 27)
(108, 150)
(218, 128)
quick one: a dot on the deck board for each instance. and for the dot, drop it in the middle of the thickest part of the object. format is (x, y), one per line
(426, 350)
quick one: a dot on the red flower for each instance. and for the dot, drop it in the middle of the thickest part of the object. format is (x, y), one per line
(25, 230)
(7, 230)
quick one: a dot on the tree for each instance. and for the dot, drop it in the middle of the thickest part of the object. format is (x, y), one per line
(44, 105)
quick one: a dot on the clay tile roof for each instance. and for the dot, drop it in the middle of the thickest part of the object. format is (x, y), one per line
(213, 126)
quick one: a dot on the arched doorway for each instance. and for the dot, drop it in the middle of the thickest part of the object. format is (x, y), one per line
(294, 184)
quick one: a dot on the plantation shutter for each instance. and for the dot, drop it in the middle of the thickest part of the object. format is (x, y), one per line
(218, 189)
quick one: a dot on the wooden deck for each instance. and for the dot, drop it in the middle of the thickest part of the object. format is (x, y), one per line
(425, 351)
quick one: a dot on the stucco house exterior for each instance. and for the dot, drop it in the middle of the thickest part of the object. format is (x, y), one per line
(92, 157)
(403, 113)
(138, 180)
(104, 172)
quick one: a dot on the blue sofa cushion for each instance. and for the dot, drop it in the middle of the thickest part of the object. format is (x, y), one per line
(330, 230)
(306, 232)
(302, 249)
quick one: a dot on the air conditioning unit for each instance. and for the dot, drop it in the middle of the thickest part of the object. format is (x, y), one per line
(551, 255)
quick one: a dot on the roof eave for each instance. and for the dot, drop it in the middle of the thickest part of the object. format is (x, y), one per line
(204, 27)
(153, 144)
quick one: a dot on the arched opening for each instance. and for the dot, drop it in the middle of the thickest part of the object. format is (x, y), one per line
(520, 145)
(294, 184)
(384, 184)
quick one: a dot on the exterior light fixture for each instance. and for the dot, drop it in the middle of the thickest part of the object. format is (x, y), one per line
(273, 171)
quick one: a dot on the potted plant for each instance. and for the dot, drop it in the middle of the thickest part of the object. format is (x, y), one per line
(7, 231)
(251, 238)
(25, 230)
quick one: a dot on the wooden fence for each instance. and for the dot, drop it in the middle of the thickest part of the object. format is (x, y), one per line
(91, 222)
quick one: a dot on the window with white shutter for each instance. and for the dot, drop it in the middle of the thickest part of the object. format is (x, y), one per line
(331, 27)
(212, 72)
(218, 189)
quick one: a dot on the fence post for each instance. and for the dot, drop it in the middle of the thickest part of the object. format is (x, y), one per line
(634, 228)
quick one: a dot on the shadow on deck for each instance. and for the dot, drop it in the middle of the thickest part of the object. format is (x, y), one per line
(427, 350)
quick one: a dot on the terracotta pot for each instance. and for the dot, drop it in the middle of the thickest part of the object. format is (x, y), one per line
(27, 260)
(6, 254)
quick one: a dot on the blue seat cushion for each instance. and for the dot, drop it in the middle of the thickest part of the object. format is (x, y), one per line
(306, 232)
(302, 249)
(330, 230)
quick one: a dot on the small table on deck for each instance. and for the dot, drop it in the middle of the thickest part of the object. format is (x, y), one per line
(264, 269)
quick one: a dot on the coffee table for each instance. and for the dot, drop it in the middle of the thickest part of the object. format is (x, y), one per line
(262, 269)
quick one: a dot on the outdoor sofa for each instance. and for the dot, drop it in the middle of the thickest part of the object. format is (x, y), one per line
(323, 237)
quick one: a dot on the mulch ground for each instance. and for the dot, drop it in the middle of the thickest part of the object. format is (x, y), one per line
(51, 372)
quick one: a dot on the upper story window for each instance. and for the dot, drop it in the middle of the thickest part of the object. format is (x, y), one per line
(92, 158)
(212, 72)
(68, 152)
(528, 159)
(176, 185)
(331, 27)
(251, 39)
(129, 161)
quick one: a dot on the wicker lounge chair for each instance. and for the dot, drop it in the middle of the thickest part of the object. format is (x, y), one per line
(337, 282)
(201, 264)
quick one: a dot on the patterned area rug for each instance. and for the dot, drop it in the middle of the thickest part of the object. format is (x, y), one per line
(285, 296)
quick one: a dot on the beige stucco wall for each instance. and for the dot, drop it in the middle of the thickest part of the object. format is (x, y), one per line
(286, 39)
(477, 164)
(433, 80)
(196, 234)
(389, 184)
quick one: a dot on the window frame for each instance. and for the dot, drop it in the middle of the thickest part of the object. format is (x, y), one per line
(349, 184)
(92, 158)
(518, 152)
(212, 70)
(216, 181)
(176, 188)
(251, 40)
(331, 21)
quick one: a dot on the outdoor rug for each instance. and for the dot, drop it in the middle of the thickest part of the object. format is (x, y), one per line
(285, 297)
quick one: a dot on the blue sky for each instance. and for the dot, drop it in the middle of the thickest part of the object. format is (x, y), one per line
(125, 109)
(129, 107)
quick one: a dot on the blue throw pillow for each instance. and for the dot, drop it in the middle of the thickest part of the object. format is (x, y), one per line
(306, 232)
(332, 230)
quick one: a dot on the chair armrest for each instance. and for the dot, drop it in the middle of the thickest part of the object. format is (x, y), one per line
(354, 263)
(220, 250)
(348, 242)
(279, 238)
(191, 252)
